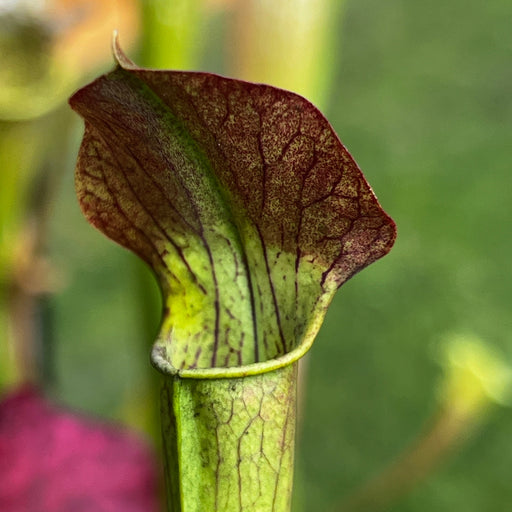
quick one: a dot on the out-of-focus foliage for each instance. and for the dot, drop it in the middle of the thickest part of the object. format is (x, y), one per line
(19, 147)
(475, 374)
(422, 99)
(47, 46)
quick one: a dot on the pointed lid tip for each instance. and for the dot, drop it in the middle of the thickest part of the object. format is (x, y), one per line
(119, 56)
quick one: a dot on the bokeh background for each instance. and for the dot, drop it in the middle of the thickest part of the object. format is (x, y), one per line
(419, 92)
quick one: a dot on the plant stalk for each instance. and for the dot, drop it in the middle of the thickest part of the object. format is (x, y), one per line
(229, 442)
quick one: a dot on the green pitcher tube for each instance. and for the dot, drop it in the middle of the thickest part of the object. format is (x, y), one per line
(229, 442)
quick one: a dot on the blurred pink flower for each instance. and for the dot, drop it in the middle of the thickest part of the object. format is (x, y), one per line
(52, 460)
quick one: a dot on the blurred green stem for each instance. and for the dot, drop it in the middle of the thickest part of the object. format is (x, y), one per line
(171, 33)
(31, 164)
(19, 153)
(445, 432)
(474, 378)
(288, 44)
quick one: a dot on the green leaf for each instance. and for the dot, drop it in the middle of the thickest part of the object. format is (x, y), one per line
(32, 82)
(230, 442)
(241, 198)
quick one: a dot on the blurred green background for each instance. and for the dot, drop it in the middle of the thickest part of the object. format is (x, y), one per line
(419, 92)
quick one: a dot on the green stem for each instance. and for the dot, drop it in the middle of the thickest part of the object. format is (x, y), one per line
(229, 442)
(288, 44)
